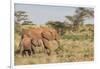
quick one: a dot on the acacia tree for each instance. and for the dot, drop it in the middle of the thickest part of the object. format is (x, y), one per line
(80, 15)
(21, 17)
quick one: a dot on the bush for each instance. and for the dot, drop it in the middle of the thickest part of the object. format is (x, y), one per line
(76, 37)
(18, 28)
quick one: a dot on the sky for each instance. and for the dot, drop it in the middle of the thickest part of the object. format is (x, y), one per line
(40, 14)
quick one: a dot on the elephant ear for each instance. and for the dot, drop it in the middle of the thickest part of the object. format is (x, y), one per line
(52, 45)
(47, 35)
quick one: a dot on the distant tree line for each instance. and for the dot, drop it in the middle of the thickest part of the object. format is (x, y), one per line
(75, 21)
(72, 24)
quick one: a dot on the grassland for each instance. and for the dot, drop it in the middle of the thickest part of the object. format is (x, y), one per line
(74, 47)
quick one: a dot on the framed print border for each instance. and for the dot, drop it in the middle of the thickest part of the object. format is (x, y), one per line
(12, 66)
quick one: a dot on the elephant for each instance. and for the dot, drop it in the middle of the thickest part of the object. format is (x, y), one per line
(26, 46)
(46, 38)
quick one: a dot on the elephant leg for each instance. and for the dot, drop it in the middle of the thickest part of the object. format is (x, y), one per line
(29, 52)
(33, 49)
(23, 53)
(21, 50)
(42, 46)
(52, 53)
(46, 51)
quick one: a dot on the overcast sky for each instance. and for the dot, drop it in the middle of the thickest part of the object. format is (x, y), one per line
(40, 14)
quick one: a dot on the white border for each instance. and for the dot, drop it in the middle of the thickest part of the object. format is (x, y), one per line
(12, 34)
(56, 3)
(77, 3)
(45, 66)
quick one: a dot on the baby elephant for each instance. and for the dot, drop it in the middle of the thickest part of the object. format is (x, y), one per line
(26, 46)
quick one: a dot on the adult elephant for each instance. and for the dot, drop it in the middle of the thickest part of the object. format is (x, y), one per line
(51, 40)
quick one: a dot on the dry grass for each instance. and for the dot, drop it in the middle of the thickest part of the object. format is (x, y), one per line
(74, 47)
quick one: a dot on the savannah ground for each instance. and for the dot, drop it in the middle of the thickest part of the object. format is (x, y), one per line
(74, 47)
